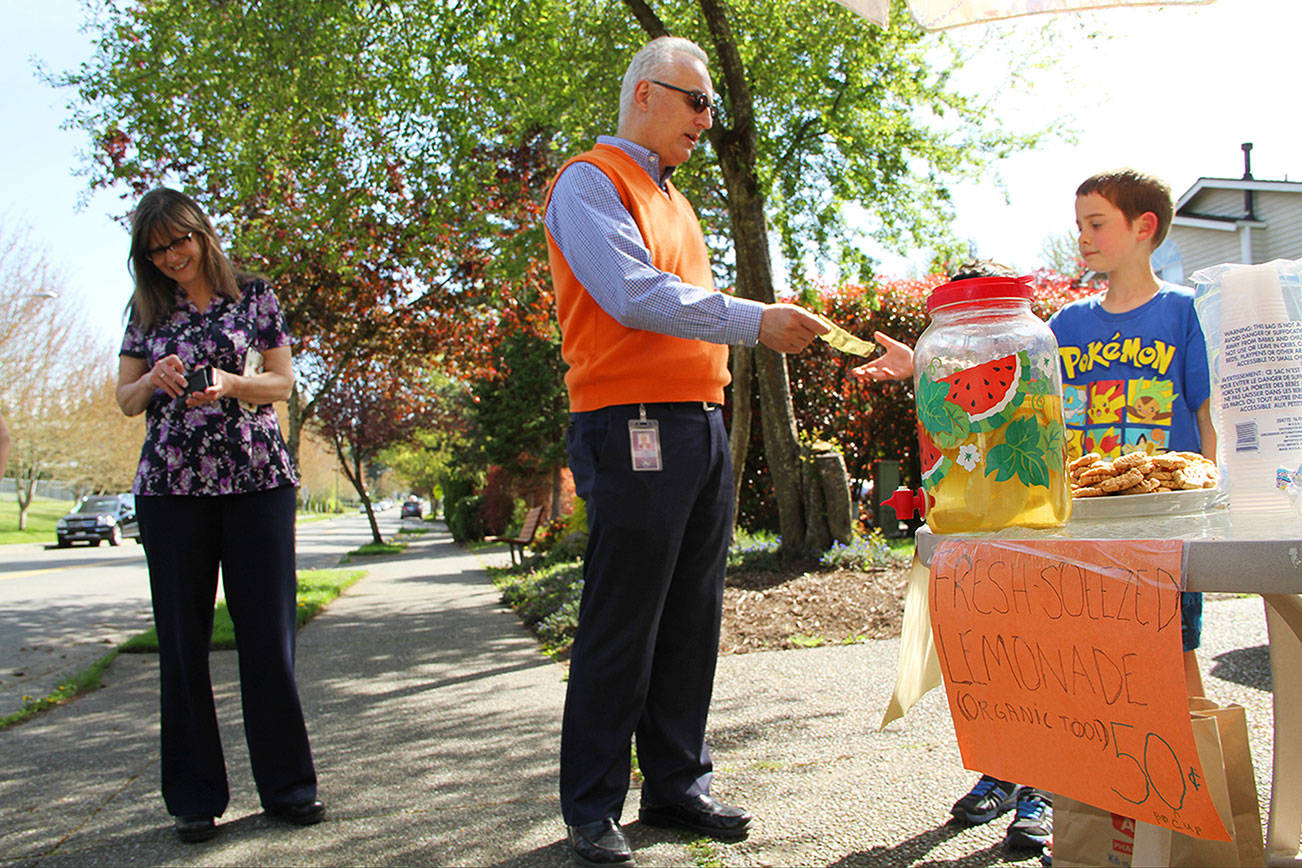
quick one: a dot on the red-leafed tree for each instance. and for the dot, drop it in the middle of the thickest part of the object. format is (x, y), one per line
(373, 407)
(293, 125)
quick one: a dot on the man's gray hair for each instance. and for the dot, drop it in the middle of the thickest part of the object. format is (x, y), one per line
(651, 61)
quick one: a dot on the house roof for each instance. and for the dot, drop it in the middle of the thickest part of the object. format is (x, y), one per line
(1236, 184)
(1186, 216)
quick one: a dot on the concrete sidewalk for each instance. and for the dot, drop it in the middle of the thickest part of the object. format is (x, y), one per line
(436, 724)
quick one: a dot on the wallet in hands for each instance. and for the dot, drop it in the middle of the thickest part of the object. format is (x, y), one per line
(199, 379)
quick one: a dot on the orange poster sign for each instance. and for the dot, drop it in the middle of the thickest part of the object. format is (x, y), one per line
(1064, 670)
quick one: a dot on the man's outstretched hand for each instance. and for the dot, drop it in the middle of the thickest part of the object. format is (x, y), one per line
(787, 328)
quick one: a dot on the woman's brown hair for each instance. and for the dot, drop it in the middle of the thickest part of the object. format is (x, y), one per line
(170, 214)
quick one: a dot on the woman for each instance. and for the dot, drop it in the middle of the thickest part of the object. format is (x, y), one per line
(215, 486)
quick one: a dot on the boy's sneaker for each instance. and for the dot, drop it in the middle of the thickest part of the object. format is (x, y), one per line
(987, 800)
(1033, 825)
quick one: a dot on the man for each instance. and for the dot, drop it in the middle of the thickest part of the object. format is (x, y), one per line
(646, 339)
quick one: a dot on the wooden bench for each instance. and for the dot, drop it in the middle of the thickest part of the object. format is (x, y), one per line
(532, 519)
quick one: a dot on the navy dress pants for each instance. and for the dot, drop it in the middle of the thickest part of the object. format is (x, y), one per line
(251, 537)
(643, 659)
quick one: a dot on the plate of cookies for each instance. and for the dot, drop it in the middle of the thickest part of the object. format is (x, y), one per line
(1140, 484)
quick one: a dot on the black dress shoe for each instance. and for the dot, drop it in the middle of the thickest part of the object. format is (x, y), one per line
(699, 814)
(300, 814)
(192, 829)
(601, 842)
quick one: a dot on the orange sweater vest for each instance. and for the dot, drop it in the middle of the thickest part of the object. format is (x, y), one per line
(610, 363)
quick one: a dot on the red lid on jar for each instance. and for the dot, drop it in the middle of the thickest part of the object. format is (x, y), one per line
(979, 289)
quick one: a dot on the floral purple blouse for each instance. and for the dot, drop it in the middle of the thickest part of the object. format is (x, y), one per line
(223, 447)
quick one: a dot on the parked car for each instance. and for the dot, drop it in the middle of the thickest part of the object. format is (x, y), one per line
(98, 517)
(411, 509)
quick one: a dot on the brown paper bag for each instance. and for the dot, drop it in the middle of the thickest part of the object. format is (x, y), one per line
(1085, 836)
(1221, 734)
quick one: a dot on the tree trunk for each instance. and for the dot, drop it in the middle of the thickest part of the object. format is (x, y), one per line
(25, 477)
(737, 158)
(817, 537)
(837, 503)
(739, 434)
(556, 493)
(355, 475)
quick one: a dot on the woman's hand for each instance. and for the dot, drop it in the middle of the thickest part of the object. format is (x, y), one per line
(168, 374)
(272, 384)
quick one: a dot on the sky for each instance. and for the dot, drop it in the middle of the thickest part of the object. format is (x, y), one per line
(1171, 90)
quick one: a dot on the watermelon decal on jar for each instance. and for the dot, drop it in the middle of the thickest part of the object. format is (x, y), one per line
(935, 464)
(989, 393)
(959, 409)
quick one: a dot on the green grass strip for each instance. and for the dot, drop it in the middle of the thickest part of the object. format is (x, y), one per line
(83, 682)
(386, 548)
(704, 853)
(316, 588)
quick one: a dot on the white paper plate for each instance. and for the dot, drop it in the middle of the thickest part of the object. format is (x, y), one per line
(1158, 503)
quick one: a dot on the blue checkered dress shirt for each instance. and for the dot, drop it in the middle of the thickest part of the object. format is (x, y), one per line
(603, 247)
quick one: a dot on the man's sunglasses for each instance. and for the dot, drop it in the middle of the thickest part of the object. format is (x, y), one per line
(696, 99)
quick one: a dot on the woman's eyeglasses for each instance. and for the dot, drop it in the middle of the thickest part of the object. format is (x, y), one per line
(696, 99)
(155, 252)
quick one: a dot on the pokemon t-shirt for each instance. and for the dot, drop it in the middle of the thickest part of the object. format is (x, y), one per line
(1132, 381)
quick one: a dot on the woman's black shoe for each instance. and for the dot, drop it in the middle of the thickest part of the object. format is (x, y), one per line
(192, 830)
(301, 814)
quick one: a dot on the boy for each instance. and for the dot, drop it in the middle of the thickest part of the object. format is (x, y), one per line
(1135, 377)
(1134, 363)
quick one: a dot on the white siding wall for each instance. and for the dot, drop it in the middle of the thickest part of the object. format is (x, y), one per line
(1281, 239)
(1218, 203)
(1200, 248)
(1282, 213)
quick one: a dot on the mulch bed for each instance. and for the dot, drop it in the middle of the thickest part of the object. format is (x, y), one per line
(805, 604)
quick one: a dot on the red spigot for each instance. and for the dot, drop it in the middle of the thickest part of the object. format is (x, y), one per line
(907, 504)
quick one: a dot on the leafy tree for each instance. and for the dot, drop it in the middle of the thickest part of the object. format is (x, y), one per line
(823, 111)
(521, 410)
(425, 461)
(107, 443)
(428, 125)
(55, 382)
(1059, 253)
(280, 118)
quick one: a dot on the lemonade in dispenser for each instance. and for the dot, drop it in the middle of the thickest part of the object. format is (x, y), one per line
(989, 404)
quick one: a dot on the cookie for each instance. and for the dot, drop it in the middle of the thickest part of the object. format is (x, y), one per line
(1097, 472)
(1129, 460)
(1084, 461)
(1170, 461)
(1144, 486)
(1121, 482)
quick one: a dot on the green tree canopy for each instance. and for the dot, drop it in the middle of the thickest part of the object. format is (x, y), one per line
(392, 156)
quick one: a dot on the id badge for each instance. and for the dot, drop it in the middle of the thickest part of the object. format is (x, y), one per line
(644, 442)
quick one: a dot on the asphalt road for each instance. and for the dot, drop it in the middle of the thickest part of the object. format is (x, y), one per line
(62, 609)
